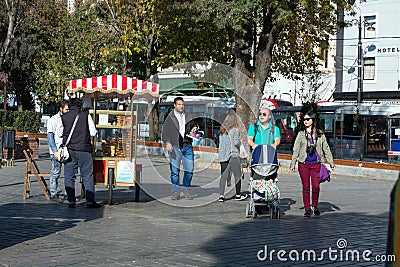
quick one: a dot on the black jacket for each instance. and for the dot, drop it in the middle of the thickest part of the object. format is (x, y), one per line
(170, 131)
(80, 139)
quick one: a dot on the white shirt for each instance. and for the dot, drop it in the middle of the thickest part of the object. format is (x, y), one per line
(55, 126)
(181, 121)
(92, 127)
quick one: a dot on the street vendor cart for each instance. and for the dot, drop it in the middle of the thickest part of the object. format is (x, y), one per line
(110, 100)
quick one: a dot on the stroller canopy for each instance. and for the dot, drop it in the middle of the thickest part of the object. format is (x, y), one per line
(264, 160)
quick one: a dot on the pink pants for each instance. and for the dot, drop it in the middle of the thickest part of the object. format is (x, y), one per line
(307, 171)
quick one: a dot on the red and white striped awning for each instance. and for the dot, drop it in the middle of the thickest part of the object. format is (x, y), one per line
(114, 84)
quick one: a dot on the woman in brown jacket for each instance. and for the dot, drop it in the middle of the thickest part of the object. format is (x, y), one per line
(310, 150)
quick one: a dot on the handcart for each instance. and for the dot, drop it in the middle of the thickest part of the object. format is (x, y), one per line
(111, 101)
(264, 191)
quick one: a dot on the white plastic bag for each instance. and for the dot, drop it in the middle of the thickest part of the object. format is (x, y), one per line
(243, 156)
(243, 152)
(63, 154)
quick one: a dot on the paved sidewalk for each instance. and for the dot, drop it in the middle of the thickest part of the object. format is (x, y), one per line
(202, 232)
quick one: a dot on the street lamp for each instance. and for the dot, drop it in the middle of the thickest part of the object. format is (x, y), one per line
(360, 55)
(368, 24)
(359, 66)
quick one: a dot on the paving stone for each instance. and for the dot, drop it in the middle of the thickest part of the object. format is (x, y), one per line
(202, 232)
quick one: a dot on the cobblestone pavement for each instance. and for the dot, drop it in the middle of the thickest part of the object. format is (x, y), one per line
(199, 232)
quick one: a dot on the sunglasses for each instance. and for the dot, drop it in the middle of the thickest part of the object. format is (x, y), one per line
(263, 114)
(307, 119)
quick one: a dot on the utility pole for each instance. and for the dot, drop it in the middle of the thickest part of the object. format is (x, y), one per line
(359, 66)
(360, 89)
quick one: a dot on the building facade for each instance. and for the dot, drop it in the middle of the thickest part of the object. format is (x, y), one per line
(373, 36)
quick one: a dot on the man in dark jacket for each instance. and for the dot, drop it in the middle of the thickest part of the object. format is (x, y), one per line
(174, 136)
(80, 151)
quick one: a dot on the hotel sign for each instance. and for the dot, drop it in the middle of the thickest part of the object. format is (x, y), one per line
(387, 50)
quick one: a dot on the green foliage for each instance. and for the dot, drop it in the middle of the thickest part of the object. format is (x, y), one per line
(190, 34)
(310, 89)
(23, 121)
(278, 36)
(74, 47)
(134, 37)
(135, 30)
(7, 118)
(18, 58)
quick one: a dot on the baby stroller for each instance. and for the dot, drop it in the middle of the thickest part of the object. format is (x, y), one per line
(264, 192)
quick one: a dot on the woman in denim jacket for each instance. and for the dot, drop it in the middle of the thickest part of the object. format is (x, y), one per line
(310, 150)
(228, 155)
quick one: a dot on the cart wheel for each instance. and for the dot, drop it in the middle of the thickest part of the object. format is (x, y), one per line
(110, 185)
(253, 207)
(248, 210)
(137, 192)
(138, 180)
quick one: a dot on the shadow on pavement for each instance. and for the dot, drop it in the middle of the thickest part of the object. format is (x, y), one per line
(327, 207)
(21, 222)
(122, 195)
(243, 243)
(285, 204)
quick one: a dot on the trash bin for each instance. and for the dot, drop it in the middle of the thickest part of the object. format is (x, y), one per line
(9, 138)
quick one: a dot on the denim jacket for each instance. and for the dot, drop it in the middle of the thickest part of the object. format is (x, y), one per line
(300, 146)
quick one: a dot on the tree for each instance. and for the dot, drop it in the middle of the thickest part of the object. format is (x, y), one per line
(136, 29)
(19, 63)
(13, 11)
(74, 46)
(268, 36)
(14, 51)
(189, 34)
(309, 91)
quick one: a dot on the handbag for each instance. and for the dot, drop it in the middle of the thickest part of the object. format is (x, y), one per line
(63, 154)
(324, 174)
(243, 156)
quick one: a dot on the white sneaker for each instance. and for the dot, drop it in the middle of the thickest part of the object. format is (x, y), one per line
(241, 197)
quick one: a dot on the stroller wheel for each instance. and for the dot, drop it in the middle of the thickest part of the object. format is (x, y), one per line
(275, 213)
(271, 212)
(248, 210)
(253, 208)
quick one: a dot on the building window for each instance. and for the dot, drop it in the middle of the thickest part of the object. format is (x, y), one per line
(324, 53)
(369, 27)
(369, 68)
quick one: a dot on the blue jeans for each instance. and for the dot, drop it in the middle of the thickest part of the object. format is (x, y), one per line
(84, 161)
(185, 155)
(54, 175)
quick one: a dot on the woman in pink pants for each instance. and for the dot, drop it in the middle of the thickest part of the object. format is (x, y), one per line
(310, 150)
